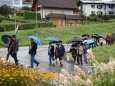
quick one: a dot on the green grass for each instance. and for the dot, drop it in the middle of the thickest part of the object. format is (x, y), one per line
(63, 33)
(6, 21)
(104, 53)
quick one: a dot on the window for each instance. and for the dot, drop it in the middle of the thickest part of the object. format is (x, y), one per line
(111, 12)
(51, 11)
(111, 6)
(99, 13)
(92, 6)
(99, 6)
(92, 12)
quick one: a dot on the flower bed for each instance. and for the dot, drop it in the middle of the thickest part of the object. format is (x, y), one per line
(12, 75)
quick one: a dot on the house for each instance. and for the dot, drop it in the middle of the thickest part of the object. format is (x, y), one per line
(12, 3)
(97, 7)
(60, 12)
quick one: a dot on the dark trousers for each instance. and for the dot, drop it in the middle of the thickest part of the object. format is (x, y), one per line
(8, 54)
(14, 55)
(79, 59)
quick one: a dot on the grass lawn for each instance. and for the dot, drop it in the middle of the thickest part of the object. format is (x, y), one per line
(63, 33)
(104, 53)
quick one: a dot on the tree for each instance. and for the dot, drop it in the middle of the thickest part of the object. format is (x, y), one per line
(5, 10)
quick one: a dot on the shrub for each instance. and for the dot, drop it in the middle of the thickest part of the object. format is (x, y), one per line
(112, 16)
(26, 8)
(0, 20)
(106, 17)
(24, 26)
(31, 16)
(2, 28)
(12, 75)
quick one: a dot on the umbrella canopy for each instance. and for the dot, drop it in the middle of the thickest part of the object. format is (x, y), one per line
(83, 38)
(51, 39)
(70, 41)
(77, 40)
(5, 39)
(88, 41)
(84, 35)
(36, 40)
(98, 36)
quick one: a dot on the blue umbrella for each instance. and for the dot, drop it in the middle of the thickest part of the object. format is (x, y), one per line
(36, 40)
(88, 41)
(51, 39)
(5, 39)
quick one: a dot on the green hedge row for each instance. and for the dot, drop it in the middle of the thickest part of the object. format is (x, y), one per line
(32, 16)
(24, 26)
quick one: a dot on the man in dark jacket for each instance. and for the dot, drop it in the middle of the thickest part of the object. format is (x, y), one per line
(32, 52)
(51, 52)
(62, 49)
(13, 48)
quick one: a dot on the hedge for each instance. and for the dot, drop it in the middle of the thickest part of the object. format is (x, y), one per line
(24, 26)
(32, 16)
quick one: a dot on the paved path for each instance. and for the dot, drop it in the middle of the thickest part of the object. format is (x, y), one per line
(42, 57)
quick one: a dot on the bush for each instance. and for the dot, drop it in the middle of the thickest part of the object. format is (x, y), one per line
(19, 13)
(112, 16)
(12, 75)
(2, 28)
(0, 20)
(31, 16)
(24, 26)
(106, 17)
(26, 8)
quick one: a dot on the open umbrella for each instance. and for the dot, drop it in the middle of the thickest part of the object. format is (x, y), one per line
(84, 35)
(5, 38)
(51, 39)
(36, 40)
(70, 41)
(88, 41)
(98, 36)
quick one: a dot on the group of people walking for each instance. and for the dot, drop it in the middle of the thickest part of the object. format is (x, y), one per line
(56, 53)
(53, 52)
(79, 51)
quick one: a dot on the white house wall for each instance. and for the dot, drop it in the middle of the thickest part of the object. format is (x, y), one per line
(109, 9)
(45, 12)
(87, 9)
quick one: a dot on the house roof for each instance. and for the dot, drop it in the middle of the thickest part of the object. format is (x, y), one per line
(97, 2)
(68, 4)
(52, 15)
(63, 16)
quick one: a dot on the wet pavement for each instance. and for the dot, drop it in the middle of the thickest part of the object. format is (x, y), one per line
(42, 57)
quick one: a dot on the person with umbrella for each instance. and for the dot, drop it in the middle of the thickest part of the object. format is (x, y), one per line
(79, 54)
(51, 52)
(32, 52)
(85, 48)
(14, 48)
(8, 46)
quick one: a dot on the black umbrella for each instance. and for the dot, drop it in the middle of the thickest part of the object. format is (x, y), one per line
(77, 40)
(84, 35)
(70, 41)
(83, 38)
(5, 38)
(98, 36)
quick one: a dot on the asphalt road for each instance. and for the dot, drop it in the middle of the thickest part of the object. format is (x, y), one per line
(42, 57)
